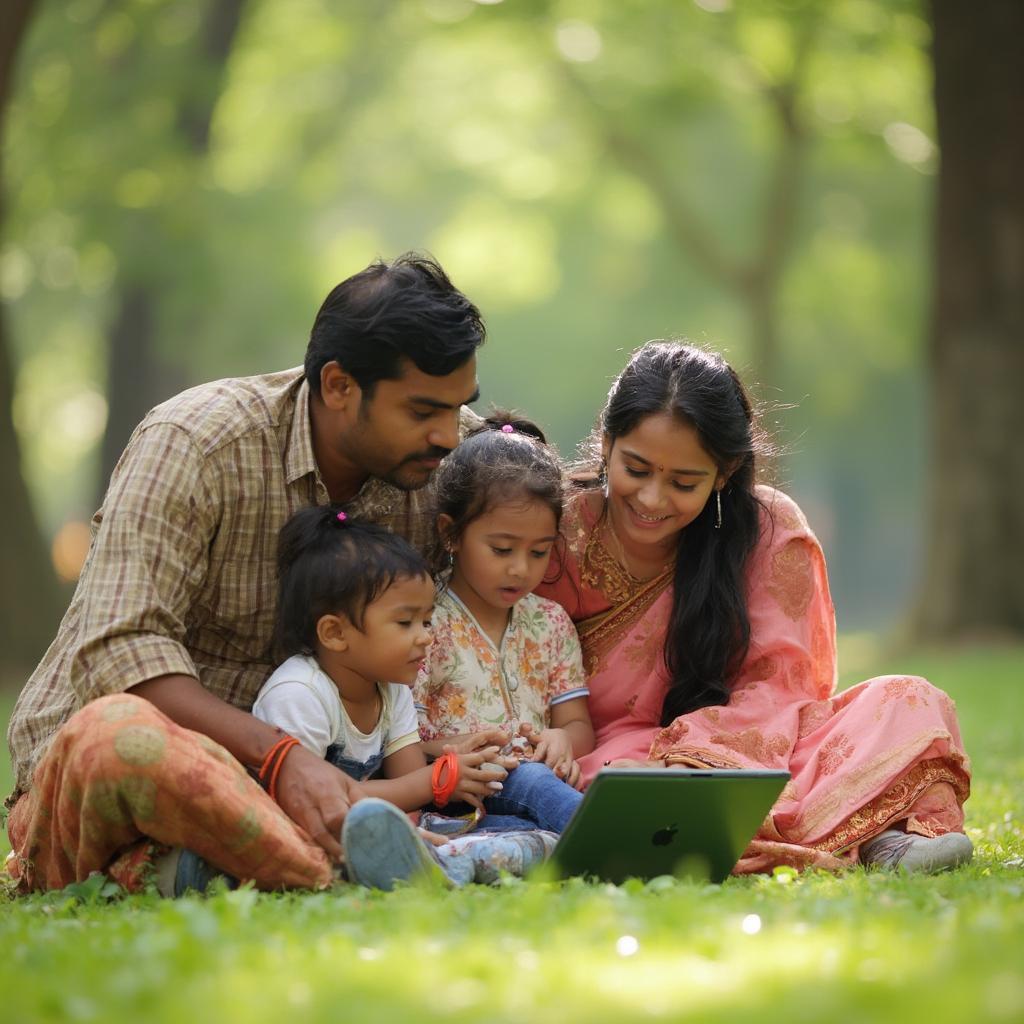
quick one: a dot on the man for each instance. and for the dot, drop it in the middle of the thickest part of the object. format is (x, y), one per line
(176, 601)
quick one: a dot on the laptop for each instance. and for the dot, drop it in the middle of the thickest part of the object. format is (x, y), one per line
(645, 822)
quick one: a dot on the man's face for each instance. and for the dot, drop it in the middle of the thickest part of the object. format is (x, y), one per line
(403, 430)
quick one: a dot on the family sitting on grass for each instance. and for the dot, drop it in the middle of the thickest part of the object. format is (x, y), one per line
(319, 599)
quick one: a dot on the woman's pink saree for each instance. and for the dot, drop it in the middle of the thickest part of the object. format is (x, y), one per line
(887, 750)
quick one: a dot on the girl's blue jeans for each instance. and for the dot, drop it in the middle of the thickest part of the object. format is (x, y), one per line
(531, 797)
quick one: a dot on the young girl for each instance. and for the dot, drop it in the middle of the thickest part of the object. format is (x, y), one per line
(503, 658)
(354, 608)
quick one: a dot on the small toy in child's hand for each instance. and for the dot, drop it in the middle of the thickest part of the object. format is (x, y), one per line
(490, 766)
(518, 746)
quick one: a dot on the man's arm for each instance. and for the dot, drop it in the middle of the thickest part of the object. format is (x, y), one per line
(147, 568)
(312, 792)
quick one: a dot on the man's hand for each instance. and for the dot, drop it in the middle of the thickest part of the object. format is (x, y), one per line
(313, 793)
(316, 796)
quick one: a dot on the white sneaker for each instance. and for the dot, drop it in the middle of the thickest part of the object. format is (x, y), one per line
(902, 851)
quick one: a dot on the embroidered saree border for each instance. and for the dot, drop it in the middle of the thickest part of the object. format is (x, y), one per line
(600, 633)
(893, 805)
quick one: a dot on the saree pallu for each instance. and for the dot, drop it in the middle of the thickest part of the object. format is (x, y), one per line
(885, 751)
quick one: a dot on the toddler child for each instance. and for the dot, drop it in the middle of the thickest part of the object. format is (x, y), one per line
(354, 609)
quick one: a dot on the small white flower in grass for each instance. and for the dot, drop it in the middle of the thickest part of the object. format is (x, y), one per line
(751, 924)
(626, 945)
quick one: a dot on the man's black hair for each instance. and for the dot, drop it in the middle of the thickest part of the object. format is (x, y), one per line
(391, 312)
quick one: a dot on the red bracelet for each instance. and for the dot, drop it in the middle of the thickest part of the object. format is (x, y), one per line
(444, 778)
(271, 767)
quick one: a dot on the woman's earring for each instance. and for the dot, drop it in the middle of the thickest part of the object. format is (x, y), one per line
(450, 564)
(718, 508)
(602, 477)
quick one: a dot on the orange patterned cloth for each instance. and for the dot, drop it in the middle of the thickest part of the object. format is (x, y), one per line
(887, 750)
(122, 783)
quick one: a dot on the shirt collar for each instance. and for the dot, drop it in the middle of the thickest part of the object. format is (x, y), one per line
(298, 459)
(376, 499)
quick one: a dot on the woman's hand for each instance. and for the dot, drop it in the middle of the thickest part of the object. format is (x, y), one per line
(632, 762)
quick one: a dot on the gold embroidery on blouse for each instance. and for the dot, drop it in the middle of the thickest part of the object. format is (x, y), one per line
(601, 570)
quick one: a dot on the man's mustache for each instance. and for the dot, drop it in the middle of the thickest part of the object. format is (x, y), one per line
(433, 453)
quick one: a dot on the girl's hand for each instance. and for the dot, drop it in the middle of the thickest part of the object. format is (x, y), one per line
(575, 776)
(469, 742)
(476, 782)
(553, 747)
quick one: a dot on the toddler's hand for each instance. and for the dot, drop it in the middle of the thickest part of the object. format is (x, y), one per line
(480, 776)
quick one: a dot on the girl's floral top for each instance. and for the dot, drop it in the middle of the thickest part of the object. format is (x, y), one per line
(468, 684)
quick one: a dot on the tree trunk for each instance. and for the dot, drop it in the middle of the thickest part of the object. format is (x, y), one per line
(29, 597)
(974, 580)
(138, 378)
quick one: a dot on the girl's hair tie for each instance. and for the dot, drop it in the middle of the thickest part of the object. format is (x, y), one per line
(507, 428)
(342, 518)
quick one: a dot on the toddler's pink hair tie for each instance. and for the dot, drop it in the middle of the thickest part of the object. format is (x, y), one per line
(342, 518)
(507, 428)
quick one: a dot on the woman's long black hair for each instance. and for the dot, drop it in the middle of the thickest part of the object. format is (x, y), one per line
(709, 629)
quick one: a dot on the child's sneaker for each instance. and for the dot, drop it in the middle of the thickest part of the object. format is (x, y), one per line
(180, 871)
(382, 847)
(903, 851)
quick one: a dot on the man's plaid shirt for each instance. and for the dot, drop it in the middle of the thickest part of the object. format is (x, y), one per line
(181, 573)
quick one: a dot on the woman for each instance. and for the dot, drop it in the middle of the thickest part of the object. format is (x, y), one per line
(708, 634)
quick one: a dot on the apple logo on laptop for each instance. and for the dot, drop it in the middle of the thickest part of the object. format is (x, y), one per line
(664, 836)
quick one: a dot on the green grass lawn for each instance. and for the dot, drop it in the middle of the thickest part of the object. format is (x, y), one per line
(789, 948)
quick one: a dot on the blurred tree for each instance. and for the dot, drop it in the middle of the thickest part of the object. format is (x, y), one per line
(739, 56)
(974, 579)
(344, 130)
(29, 598)
(139, 375)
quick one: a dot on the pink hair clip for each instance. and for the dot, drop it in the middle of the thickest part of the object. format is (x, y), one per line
(342, 518)
(507, 428)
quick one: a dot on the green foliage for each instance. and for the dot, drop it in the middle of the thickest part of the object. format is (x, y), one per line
(546, 152)
(811, 947)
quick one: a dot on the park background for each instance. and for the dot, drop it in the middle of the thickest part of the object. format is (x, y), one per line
(827, 191)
